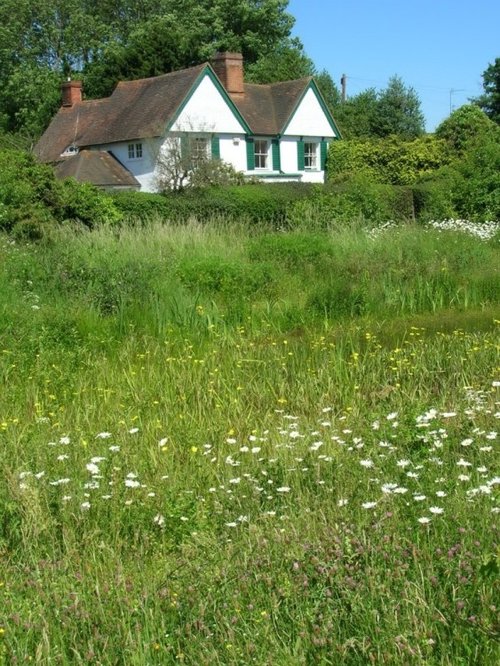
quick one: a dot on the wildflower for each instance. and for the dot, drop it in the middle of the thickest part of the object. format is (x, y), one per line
(255, 449)
(463, 477)
(403, 463)
(92, 468)
(131, 483)
(419, 498)
(366, 463)
(103, 435)
(159, 520)
(63, 457)
(235, 481)
(463, 463)
(342, 502)
(369, 505)
(114, 449)
(65, 440)
(85, 506)
(132, 431)
(440, 493)
(424, 520)
(283, 489)
(436, 509)
(391, 416)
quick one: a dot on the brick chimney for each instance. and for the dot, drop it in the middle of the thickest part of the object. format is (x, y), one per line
(229, 68)
(71, 92)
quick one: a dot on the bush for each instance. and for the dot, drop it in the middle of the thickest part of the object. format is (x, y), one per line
(87, 204)
(141, 205)
(357, 198)
(31, 197)
(387, 161)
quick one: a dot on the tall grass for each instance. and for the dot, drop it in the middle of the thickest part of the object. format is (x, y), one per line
(210, 456)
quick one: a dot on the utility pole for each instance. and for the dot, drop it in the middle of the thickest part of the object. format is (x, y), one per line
(454, 90)
(343, 83)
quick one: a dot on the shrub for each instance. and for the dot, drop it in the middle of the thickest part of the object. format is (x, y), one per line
(86, 203)
(387, 161)
(464, 125)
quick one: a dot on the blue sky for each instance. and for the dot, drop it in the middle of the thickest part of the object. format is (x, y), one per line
(439, 47)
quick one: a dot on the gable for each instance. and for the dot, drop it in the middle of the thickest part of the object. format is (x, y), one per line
(208, 109)
(310, 118)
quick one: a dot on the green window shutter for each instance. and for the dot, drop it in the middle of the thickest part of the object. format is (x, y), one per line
(215, 148)
(250, 153)
(300, 155)
(276, 154)
(324, 151)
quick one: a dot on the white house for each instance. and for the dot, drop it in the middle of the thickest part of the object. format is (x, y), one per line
(275, 132)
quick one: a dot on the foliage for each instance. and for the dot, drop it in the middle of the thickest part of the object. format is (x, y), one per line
(288, 61)
(489, 101)
(465, 124)
(477, 190)
(31, 197)
(390, 160)
(398, 111)
(355, 115)
(394, 110)
(41, 43)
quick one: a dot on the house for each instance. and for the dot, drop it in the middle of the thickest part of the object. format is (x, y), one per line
(275, 132)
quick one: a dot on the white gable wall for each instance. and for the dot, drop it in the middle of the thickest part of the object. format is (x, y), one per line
(309, 119)
(207, 111)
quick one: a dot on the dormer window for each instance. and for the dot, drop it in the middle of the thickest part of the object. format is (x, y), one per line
(70, 150)
(135, 151)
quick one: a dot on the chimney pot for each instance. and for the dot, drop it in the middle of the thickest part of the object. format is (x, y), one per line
(229, 68)
(71, 92)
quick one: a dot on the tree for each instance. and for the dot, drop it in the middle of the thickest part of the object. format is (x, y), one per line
(398, 111)
(112, 40)
(489, 102)
(355, 116)
(464, 125)
(286, 62)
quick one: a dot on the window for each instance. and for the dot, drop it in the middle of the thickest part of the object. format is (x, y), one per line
(199, 150)
(261, 153)
(135, 151)
(70, 150)
(310, 155)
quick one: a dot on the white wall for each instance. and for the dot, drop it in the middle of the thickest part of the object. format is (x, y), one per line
(309, 119)
(207, 111)
(233, 150)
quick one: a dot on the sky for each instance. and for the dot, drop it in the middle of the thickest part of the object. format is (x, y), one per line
(438, 47)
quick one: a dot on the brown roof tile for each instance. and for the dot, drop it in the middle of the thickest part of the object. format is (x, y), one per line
(98, 167)
(143, 108)
(135, 110)
(267, 108)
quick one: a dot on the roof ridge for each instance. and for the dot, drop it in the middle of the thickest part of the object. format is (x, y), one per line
(162, 76)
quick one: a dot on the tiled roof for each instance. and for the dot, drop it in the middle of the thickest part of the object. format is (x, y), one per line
(267, 108)
(98, 167)
(135, 110)
(143, 108)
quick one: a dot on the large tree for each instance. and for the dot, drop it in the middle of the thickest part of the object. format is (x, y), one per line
(489, 101)
(115, 39)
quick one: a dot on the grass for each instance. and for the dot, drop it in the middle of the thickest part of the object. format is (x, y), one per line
(203, 466)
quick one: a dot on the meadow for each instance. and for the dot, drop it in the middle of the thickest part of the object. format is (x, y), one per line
(235, 445)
